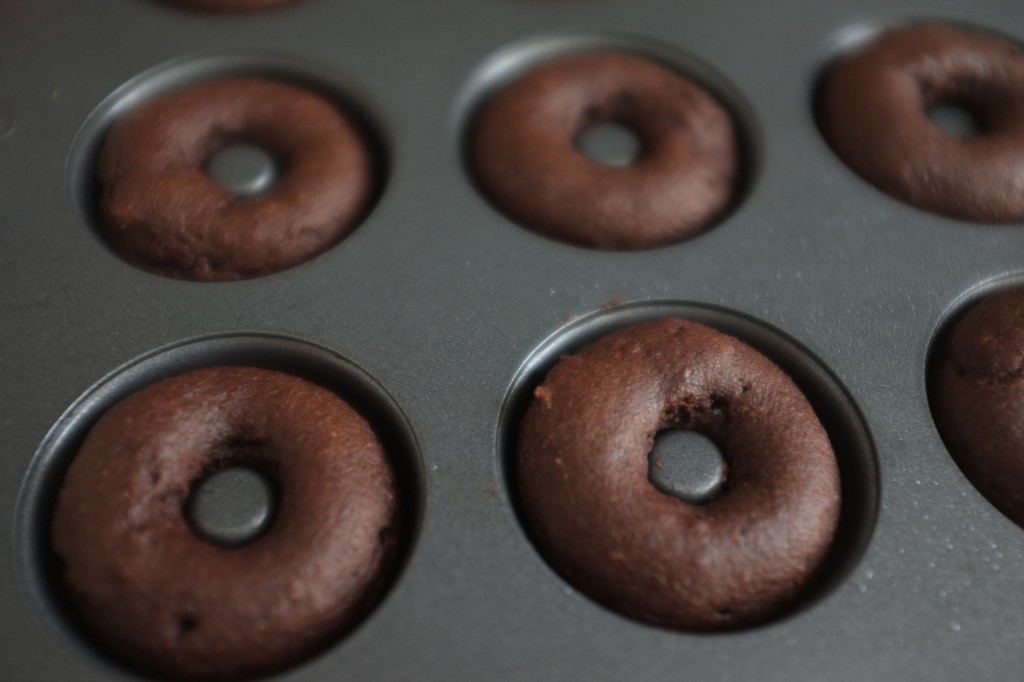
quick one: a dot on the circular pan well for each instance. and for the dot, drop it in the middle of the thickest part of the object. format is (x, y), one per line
(975, 391)
(39, 569)
(516, 60)
(183, 72)
(834, 407)
(964, 111)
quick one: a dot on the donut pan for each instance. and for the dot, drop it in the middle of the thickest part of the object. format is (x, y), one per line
(438, 314)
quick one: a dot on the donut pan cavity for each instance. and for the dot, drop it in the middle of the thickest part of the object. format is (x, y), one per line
(40, 568)
(438, 310)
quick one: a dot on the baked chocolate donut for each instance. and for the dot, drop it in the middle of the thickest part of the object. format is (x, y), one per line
(872, 110)
(523, 154)
(160, 209)
(584, 491)
(231, 6)
(976, 390)
(159, 597)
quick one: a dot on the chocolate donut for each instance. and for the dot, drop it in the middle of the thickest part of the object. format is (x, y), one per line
(231, 6)
(976, 390)
(872, 110)
(160, 209)
(523, 154)
(584, 491)
(159, 597)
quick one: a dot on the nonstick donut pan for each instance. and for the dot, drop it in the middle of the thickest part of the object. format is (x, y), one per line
(438, 315)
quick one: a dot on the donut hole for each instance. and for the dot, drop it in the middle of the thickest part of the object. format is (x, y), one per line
(184, 625)
(955, 118)
(232, 506)
(687, 465)
(610, 143)
(245, 169)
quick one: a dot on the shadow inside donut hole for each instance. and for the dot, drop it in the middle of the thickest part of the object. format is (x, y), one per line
(244, 166)
(956, 118)
(612, 143)
(41, 571)
(688, 465)
(234, 501)
(838, 413)
(607, 139)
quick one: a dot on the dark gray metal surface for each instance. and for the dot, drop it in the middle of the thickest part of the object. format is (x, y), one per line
(442, 302)
(232, 507)
(245, 170)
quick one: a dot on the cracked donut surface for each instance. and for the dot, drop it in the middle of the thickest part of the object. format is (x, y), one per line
(976, 390)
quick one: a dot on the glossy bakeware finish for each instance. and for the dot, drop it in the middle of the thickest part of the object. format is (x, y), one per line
(438, 313)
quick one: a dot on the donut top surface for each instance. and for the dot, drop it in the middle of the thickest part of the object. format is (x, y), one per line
(976, 390)
(161, 598)
(524, 152)
(582, 477)
(160, 209)
(873, 110)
